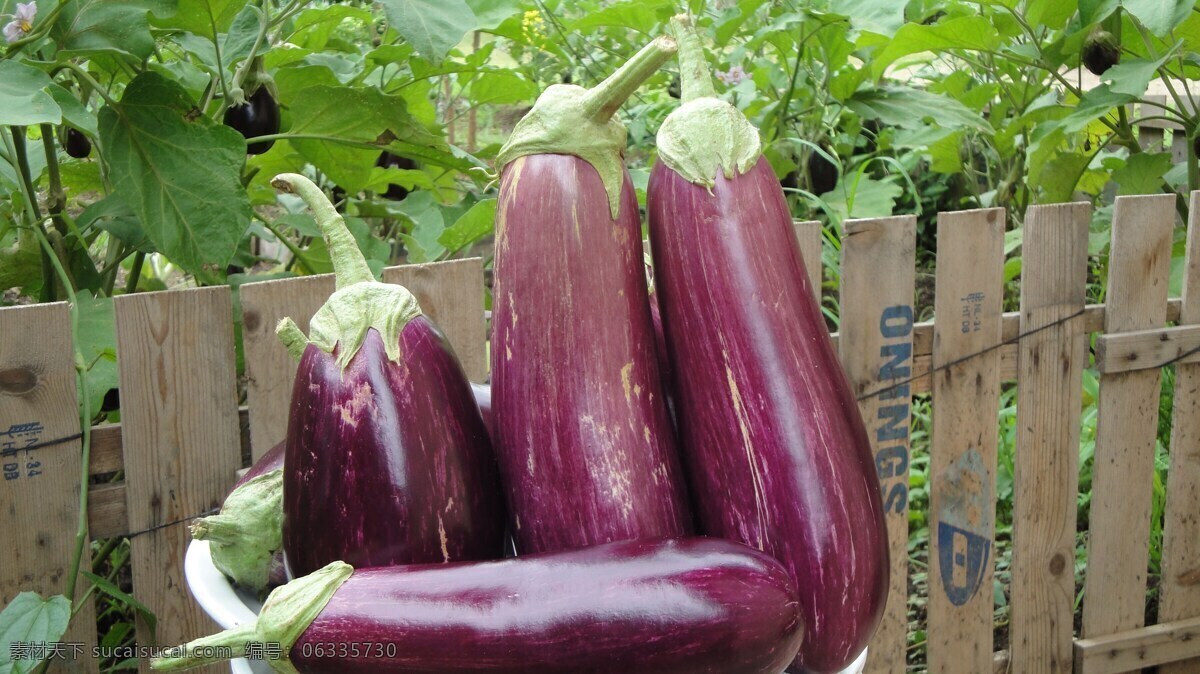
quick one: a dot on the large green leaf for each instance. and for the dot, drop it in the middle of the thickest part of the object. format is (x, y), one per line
(640, 15)
(27, 619)
(470, 226)
(967, 32)
(1049, 13)
(206, 17)
(1133, 76)
(97, 26)
(24, 99)
(73, 111)
(98, 345)
(1159, 16)
(909, 108)
(883, 17)
(433, 27)
(178, 170)
(428, 224)
(491, 13)
(1143, 173)
(501, 87)
(20, 261)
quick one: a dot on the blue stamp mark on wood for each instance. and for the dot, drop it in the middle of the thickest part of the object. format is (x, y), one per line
(964, 541)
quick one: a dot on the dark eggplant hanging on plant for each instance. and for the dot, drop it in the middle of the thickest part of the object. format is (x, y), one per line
(387, 458)
(776, 451)
(76, 144)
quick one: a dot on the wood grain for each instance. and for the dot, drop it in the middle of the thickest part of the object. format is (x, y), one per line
(450, 293)
(968, 304)
(1127, 421)
(808, 234)
(39, 488)
(1134, 650)
(1180, 583)
(180, 439)
(1147, 349)
(878, 286)
(1046, 464)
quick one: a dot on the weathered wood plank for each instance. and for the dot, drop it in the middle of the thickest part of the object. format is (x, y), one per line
(39, 488)
(968, 304)
(1180, 584)
(181, 440)
(107, 516)
(1046, 465)
(878, 286)
(1127, 421)
(808, 234)
(1132, 650)
(1147, 349)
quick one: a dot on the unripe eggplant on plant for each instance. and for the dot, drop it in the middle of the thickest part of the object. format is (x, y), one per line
(585, 443)
(685, 606)
(773, 442)
(387, 459)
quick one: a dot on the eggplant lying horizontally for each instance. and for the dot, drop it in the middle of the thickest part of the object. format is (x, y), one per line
(773, 442)
(684, 606)
(582, 431)
(387, 459)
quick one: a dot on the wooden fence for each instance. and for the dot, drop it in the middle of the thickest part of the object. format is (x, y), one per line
(182, 430)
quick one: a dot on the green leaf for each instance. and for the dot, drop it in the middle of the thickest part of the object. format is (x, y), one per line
(423, 243)
(1133, 76)
(470, 227)
(24, 100)
(640, 15)
(98, 345)
(433, 27)
(491, 13)
(1094, 104)
(115, 592)
(178, 170)
(98, 26)
(501, 87)
(866, 198)
(1058, 177)
(1092, 11)
(967, 32)
(114, 216)
(1049, 13)
(883, 17)
(20, 261)
(29, 618)
(909, 108)
(205, 17)
(73, 112)
(240, 38)
(1159, 16)
(1143, 173)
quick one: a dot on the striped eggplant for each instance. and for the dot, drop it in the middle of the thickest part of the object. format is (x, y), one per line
(387, 458)
(775, 449)
(683, 606)
(585, 443)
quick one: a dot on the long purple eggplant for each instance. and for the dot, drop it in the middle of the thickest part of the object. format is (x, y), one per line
(686, 606)
(585, 443)
(775, 448)
(387, 459)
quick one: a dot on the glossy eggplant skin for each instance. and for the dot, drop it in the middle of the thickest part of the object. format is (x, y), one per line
(684, 606)
(388, 463)
(773, 441)
(266, 463)
(483, 399)
(586, 447)
(258, 116)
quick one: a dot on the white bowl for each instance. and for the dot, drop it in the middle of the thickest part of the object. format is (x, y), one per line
(231, 607)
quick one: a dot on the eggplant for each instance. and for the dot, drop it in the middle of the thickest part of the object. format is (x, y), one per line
(483, 400)
(586, 448)
(387, 458)
(77, 145)
(258, 116)
(773, 442)
(681, 606)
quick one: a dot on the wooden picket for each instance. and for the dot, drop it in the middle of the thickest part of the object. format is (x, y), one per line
(876, 347)
(962, 467)
(182, 431)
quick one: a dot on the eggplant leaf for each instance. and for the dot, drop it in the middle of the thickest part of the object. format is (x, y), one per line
(29, 619)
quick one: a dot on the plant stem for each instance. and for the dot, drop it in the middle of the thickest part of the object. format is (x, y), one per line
(86, 77)
(291, 246)
(603, 101)
(56, 199)
(135, 273)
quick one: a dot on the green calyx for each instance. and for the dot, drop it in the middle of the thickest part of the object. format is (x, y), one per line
(359, 303)
(248, 531)
(568, 119)
(705, 135)
(284, 617)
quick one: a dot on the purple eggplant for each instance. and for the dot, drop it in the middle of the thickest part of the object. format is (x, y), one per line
(582, 432)
(684, 606)
(387, 458)
(483, 400)
(773, 442)
(272, 460)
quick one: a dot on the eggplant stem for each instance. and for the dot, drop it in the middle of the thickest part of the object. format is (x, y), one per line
(349, 265)
(694, 73)
(602, 101)
(235, 638)
(292, 336)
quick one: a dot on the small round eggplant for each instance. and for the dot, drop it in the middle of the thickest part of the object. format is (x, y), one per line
(77, 145)
(258, 116)
(1100, 52)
